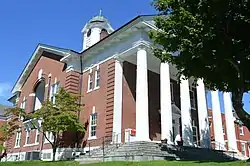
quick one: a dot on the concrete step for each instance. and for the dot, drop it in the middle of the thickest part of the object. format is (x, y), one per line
(151, 151)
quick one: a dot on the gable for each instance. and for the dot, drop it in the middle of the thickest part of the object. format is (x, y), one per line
(49, 51)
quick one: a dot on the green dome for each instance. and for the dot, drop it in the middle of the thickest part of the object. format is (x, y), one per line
(98, 19)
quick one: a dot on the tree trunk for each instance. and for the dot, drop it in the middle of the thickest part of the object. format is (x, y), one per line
(54, 153)
(237, 98)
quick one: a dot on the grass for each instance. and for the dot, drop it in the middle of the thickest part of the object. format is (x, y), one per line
(149, 163)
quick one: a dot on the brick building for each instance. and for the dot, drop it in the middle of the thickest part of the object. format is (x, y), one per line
(129, 94)
(242, 134)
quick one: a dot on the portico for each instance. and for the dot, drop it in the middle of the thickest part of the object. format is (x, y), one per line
(174, 106)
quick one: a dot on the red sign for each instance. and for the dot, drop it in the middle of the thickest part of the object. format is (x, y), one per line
(133, 132)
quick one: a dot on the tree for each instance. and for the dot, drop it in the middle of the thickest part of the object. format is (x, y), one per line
(212, 39)
(60, 117)
(8, 129)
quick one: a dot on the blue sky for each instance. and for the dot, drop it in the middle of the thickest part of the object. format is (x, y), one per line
(24, 24)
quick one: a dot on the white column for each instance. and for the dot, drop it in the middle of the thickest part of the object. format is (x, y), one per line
(186, 120)
(117, 115)
(166, 107)
(203, 115)
(232, 145)
(142, 120)
(217, 122)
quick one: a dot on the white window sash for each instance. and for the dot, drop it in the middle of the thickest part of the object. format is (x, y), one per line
(27, 136)
(97, 78)
(90, 82)
(18, 139)
(244, 148)
(92, 125)
(37, 134)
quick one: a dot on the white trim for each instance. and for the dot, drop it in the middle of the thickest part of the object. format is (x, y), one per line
(28, 145)
(32, 94)
(241, 141)
(92, 138)
(40, 73)
(101, 62)
(55, 80)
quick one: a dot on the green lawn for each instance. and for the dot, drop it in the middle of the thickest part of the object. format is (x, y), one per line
(150, 163)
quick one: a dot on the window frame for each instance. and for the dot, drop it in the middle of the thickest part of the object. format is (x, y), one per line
(90, 82)
(49, 135)
(245, 152)
(223, 129)
(93, 126)
(37, 139)
(18, 138)
(195, 134)
(22, 106)
(53, 91)
(27, 138)
(97, 78)
(192, 101)
(241, 130)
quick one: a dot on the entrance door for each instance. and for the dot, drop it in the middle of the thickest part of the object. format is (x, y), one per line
(176, 125)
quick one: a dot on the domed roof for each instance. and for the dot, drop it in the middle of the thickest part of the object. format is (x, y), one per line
(98, 19)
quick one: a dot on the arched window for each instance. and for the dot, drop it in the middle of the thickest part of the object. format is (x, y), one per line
(39, 94)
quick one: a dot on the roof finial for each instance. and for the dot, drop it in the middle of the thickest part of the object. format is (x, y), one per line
(100, 13)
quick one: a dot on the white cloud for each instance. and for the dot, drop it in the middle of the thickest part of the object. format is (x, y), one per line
(5, 89)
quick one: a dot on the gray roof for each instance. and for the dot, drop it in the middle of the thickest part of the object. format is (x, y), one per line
(2, 111)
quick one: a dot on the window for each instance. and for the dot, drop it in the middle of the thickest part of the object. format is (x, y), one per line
(195, 135)
(46, 156)
(22, 106)
(243, 149)
(89, 33)
(192, 99)
(49, 135)
(37, 136)
(97, 78)
(27, 141)
(18, 138)
(90, 82)
(54, 89)
(93, 120)
(172, 91)
(223, 129)
(241, 130)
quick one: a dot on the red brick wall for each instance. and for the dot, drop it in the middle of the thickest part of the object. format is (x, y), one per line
(2, 122)
(128, 97)
(100, 100)
(239, 138)
(49, 65)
